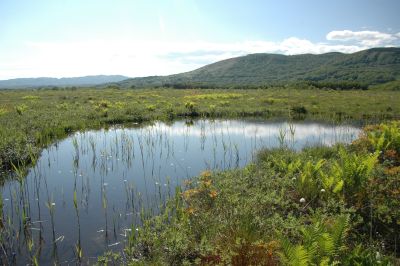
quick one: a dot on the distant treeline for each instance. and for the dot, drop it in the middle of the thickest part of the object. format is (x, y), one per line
(341, 85)
(211, 86)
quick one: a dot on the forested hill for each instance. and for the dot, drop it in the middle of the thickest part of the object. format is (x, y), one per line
(60, 82)
(373, 66)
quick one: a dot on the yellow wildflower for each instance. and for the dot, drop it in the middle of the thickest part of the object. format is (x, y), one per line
(190, 210)
(207, 183)
(206, 174)
(189, 193)
(213, 194)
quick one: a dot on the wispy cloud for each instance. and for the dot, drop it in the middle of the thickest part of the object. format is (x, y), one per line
(365, 38)
(201, 53)
(144, 58)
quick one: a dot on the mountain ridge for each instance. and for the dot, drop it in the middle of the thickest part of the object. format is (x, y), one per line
(92, 80)
(368, 67)
(371, 66)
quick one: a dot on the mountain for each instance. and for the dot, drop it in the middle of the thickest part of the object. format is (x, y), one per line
(60, 82)
(372, 66)
(368, 67)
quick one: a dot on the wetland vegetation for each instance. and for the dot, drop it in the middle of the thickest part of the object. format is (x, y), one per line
(244, 133)
(116, 189)
(32, 119)
(319, 206)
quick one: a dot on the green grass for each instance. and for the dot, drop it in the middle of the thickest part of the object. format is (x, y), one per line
(31, 119)
(286, 208)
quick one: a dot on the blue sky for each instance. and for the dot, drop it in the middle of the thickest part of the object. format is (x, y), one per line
(59, 38)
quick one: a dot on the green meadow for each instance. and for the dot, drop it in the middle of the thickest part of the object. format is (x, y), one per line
(31, 119)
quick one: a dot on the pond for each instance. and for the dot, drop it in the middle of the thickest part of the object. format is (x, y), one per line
(88, 189)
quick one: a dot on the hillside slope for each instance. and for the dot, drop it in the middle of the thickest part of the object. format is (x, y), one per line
(373, 66)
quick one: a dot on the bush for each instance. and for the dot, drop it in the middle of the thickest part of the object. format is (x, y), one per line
(299, 110)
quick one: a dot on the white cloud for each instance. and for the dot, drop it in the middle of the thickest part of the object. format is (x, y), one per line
(57, 59)
(145, 58)
(365, 38)
(301, 46)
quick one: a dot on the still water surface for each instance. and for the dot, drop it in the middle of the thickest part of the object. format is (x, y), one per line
(116, 173)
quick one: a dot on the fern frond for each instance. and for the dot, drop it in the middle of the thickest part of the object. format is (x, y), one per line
(300, 257)
(326, 244)
(338, 186)
(294, 255)
(339, 233)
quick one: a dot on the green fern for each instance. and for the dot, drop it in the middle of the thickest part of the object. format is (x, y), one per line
(310, 175)
(339, 233)
(333, 180)
(322, 243)
(354, 169)
(293, 167)
(326, 244)
(286, 166)
(386, 137)
(294, 255)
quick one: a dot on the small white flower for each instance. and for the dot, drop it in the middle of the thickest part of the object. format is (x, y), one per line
(294, 178)
(53, 204)
(302, 200)
(137, 229)
(323, 190)
(378, 255)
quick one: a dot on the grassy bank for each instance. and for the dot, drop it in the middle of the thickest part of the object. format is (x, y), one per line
(319, 206)
(31, 119)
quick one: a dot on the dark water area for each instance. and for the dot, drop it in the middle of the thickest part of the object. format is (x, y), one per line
(90, 188)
